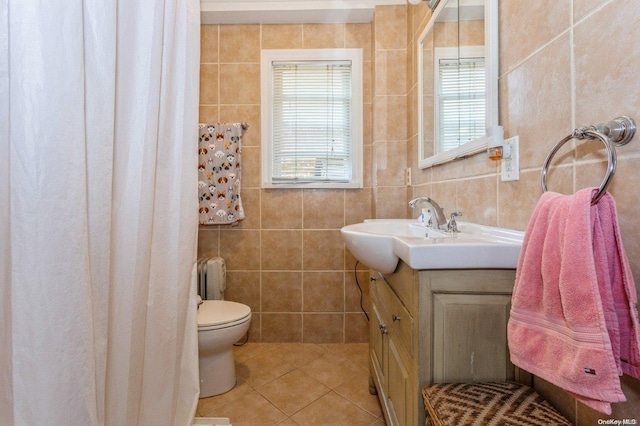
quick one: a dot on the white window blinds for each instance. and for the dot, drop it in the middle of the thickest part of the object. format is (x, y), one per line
(311, 124)
(461, 101)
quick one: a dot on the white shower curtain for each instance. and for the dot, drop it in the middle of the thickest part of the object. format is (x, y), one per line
(98, 211)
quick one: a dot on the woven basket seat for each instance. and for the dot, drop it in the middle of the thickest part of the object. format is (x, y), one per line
(491, 404)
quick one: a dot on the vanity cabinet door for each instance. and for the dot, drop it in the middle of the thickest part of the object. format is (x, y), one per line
(470, 337)
(398, 383)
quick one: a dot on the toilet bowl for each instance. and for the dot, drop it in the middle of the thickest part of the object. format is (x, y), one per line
(221, 323)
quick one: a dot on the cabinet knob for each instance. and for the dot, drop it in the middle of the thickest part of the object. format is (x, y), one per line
(396, 317)
(383, 329)
(372, 278)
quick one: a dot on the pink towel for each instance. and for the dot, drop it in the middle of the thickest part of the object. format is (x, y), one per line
(574, 320)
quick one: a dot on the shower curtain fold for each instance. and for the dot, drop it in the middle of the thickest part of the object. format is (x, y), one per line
(98, 220)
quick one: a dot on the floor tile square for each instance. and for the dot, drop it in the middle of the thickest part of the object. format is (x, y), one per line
(293, 391)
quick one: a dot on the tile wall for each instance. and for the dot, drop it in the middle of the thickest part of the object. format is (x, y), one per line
(287, 260)
(563, 64)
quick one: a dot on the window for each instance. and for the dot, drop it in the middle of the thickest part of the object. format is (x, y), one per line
(312, 118)
(460, 96)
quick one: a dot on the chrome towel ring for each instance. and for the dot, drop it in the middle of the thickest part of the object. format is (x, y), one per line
(617, 132)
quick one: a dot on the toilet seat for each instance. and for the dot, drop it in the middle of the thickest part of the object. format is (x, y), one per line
(217, 314)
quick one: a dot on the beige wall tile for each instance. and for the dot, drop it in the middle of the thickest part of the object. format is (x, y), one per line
(352, 295)
(209, 114)
(282, 36)
(518, 199)
(323, 36)
(390, 202)
(282, 209)
(282, 327)
(323, 250)
(323, 292)
(251, 167)
(282, 291)
(244, 287)
(281, 250)
(209, 43)
(367, 95)
(527, 26)
(389, 118)
(367, 167)
(323, 209)
(209, 241)
(447, 171)
(240, 249)
(583, 7)
(357, 205)
(478, 200)
(390, 27)
(605, 92)
(239, 43)
(240, 83)
(538, 106)
(359, 35)
(390, 160)
(391, 72)
(356, 328)
(209, 84)
(255, 333)
(323, 328)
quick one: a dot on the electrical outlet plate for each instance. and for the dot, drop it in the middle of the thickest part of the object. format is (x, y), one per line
(511, 166)
(408, 176)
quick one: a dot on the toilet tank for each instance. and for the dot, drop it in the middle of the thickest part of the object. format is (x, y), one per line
(216, 278)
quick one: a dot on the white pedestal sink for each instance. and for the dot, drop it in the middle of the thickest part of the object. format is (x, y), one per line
(380, 243)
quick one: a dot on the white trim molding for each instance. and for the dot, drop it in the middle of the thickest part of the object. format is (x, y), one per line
(289, 11)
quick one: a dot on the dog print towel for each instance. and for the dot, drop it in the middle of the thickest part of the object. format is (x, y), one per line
(219, 173)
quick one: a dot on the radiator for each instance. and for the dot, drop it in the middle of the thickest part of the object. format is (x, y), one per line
(212, 278)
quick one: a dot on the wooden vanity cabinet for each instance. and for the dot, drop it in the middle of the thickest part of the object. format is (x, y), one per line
(436, 326)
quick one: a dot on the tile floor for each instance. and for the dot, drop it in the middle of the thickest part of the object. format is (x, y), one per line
(301, 384)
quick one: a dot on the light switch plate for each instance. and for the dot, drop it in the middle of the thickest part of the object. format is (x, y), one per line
(511, 166)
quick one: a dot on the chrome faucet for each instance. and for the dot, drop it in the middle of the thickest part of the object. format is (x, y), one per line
(438, 219)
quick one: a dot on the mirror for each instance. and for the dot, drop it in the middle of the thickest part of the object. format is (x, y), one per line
(457, 80)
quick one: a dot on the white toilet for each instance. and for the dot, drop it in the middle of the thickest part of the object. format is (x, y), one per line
(221, 323)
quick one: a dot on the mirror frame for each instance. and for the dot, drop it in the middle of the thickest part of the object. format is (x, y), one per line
(491, 68)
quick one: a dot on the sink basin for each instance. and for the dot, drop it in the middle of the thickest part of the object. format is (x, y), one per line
(380, 243)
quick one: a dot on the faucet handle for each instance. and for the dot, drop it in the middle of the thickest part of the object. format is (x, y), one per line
(452, 225)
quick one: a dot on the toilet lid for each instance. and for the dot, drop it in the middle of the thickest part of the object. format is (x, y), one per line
(220, 312)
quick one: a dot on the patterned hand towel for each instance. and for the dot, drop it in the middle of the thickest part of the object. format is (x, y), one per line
(574, 320)
(219, 173)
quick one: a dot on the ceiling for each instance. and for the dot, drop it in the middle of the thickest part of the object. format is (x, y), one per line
(289, 11)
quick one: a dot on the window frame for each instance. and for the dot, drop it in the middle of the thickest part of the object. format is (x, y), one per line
(267, 58)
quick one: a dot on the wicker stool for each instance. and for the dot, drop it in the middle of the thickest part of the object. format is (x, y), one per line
(495, 404)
